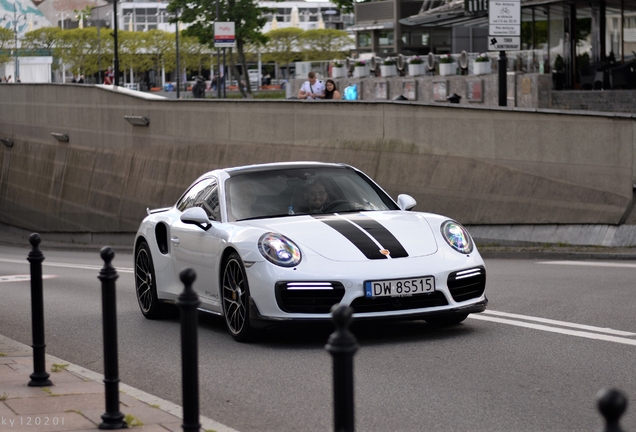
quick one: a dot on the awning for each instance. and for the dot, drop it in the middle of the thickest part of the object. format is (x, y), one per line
(371, 26)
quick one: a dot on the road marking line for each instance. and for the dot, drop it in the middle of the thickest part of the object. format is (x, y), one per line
(75, 266)
(588, 264)
(577, 333)
(22, 278)
(561, 323)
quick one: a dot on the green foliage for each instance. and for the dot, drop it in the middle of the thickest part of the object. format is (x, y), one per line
(79, 49)
(482, 58)
(559, 64)
(284, 45)
(446, 58)
(388, 62)
(248, 17)
(583, 60)
(6, 43)
(324, 44)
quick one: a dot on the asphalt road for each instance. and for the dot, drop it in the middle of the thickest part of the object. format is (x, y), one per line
(555, 334)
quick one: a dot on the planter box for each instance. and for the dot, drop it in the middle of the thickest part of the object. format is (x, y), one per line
(388, 70)
(447, 68)
(338, 72)
(360, 71)
(417, 69)
(482, 68)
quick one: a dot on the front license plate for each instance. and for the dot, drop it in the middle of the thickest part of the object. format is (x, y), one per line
(399, 287)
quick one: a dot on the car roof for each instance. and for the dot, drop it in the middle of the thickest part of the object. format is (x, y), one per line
(282, 165)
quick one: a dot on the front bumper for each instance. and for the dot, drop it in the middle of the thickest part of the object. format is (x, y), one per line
(259, 321)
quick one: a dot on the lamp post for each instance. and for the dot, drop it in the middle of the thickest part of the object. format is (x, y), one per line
(16, 17)
(161, 15)
(116, 48)
(178, 65)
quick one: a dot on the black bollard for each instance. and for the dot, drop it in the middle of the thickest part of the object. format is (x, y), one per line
(342, 346)
(612, 404)
(39, 377)
(112, 418)
(188, 303)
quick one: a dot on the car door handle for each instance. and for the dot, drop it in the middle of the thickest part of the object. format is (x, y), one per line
(174, 240)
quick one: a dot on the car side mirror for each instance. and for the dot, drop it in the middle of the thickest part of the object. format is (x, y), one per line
(196, 216)
(406, 202)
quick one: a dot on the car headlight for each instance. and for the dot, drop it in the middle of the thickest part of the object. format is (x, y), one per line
(279, 250)
(457, 237)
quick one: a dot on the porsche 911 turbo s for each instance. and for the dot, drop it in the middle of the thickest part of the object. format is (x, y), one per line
(280, 242)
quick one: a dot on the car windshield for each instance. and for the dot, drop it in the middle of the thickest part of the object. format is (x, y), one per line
(298, 191)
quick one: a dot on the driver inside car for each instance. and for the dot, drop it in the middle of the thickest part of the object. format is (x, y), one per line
(315, 195)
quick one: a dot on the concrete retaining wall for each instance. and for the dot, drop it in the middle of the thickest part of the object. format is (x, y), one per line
(479, 166)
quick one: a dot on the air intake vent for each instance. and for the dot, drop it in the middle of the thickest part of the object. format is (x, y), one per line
(308, 297)
(383, 304)
(467, 284)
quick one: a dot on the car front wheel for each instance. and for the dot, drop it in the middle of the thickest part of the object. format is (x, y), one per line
(236, 299)
(145, 283)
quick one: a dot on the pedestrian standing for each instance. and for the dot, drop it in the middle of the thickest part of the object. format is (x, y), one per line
(312, 89)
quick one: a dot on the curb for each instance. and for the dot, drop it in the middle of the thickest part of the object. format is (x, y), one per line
(164, 405)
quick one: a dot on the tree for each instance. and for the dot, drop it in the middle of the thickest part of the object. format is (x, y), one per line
(161, 48)
(131, 52)
(6, 43)
(247, 16)
(326, 44)
(79, 49)
(284, 45)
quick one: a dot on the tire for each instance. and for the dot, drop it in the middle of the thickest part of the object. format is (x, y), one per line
(146, 284)
(445, 320)
(236, 297)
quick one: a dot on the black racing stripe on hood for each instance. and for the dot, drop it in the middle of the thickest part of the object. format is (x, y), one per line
(353, 234)
(380, 233)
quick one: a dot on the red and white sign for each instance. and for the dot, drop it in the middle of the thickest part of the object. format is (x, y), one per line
(224, 36)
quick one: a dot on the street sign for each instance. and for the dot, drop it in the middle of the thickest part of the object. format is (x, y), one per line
(504, 19)
(504, 43)
(504, 30)
(504, 12)
(224, 35)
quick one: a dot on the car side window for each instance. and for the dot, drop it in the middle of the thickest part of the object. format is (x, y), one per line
(204, 194)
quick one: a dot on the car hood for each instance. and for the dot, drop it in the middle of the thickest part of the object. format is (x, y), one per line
(358, 236)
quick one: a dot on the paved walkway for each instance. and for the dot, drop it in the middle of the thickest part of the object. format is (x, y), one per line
(76, 400)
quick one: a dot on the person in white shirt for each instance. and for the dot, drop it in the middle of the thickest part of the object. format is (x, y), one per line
(312, 88)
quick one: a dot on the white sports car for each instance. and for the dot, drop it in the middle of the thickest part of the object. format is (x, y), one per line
(279, 242)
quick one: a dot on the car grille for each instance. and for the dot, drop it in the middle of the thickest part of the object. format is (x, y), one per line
(308, 297)
(383, 304)
(467, 284)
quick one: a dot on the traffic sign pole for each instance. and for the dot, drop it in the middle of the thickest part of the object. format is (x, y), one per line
(503, 80)
(505, 30)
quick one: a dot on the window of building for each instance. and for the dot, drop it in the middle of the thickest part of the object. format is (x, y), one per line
(385, 38)
(364, 39)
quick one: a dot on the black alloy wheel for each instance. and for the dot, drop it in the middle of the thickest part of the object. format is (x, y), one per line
(145, 283)
(236, 299)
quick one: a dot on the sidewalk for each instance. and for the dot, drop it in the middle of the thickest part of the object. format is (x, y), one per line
(76, 401)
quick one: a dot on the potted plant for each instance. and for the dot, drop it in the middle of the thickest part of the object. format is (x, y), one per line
(360, 69)
(447, 65)
(387, 68)
(558, 73)
(482, 65)
(416, 66)
(338, 69)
